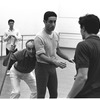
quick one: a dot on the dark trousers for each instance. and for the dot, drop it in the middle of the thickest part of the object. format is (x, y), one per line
(46, 76)
(7, 52)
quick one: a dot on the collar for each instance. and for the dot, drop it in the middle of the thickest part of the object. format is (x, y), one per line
(48, 35)
(92, 35)
(11, 30)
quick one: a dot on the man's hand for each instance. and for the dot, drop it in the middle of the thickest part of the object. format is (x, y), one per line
(71, 60)
(59, 64)
(12, 47)
(62, 65)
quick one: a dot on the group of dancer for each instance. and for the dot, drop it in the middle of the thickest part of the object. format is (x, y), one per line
(37, 63)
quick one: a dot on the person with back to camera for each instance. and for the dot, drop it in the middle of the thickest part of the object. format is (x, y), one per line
(87, 60)
(47, 45)
(23, 65)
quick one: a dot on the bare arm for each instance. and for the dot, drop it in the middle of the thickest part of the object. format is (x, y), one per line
(62, 55)
(52, 61)
(40, 51)
(46, 59)
(79, 82)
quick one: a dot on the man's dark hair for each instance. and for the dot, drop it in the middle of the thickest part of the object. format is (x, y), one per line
(90, 22)
(49, 14)
(11, 20)
(31, 40)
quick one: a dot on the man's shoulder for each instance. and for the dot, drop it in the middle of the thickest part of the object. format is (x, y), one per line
(6, 31)
(83, 45)
(56, 34)
(40, 35)
(84, 42)
(81, 42)
(16, 30)
(20, 52)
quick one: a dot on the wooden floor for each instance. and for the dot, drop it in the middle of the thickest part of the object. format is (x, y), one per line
(65, 80)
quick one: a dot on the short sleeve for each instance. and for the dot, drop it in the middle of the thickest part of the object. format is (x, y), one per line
(19, 55)
(39, 45)
(81, 57)
(12, 59)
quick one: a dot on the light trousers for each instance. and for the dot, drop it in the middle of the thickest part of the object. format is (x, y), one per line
(16, 77)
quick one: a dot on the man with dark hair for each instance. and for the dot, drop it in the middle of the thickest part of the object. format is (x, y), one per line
(11, 36)
(11, 20)
(47, 45)
(87, 59)
(23, 62)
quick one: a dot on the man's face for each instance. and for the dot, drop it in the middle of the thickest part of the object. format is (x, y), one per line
(11, 24)
(50, 23)
(30, 48)
(83, 33)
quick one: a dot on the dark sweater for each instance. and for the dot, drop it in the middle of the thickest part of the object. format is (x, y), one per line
(25, 63)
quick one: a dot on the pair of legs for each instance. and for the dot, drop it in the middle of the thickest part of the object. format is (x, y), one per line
(16, 77)
(46, 76)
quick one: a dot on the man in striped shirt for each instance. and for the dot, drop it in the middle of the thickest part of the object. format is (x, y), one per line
(87, 60)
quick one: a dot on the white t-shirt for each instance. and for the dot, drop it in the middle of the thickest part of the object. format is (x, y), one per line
(11, 36)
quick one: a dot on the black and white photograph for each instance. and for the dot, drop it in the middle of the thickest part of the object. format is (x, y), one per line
(49, 49)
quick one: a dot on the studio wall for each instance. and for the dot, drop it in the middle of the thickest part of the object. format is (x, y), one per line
(28, 16)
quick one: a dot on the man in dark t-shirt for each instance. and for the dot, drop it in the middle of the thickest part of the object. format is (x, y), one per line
(87, 60)
(23, 63)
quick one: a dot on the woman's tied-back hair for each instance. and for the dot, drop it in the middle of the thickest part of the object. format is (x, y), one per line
(49, 14)
(90, 22)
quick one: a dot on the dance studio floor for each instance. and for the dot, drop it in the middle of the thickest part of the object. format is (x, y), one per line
(65, 80)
